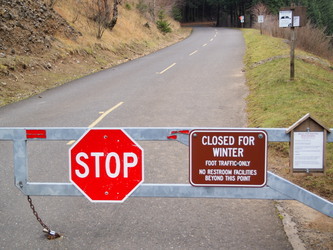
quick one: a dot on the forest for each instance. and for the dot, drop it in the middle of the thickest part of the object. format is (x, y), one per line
(227, 12)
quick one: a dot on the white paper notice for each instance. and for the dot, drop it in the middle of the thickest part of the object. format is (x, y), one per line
(285, 18)
(308, 150)
(296, 21)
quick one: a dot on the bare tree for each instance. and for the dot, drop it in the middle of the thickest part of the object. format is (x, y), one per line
(259, 9)
(100, 12)
(101, 17)
(157, 5)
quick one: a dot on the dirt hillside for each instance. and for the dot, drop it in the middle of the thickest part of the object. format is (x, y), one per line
(29, 27)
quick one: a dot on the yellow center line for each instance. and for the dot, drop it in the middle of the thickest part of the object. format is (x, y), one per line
(167, 68)
(193, 52)
(99, 119)
(104, 114)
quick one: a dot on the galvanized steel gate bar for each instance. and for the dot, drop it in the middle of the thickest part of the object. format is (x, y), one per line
(276, 188)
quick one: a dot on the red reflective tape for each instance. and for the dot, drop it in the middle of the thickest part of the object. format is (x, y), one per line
(35, 133)
(172, 137)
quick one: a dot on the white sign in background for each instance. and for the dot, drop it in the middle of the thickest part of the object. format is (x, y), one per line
(260, 19)
(308, 150)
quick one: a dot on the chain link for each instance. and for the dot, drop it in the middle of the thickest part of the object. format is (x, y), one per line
(36, 215)
(46, 229)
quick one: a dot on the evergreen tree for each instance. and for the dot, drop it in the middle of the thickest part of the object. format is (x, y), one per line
(320, 12)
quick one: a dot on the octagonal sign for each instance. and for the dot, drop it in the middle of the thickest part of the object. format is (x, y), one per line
(106, 165)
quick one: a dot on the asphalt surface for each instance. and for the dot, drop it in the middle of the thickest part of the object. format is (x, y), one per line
(195, 83)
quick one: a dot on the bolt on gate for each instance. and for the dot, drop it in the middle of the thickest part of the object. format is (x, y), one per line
(273, 187)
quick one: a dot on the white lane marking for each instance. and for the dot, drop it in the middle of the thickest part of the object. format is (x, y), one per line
(167, 68)
(193, 52)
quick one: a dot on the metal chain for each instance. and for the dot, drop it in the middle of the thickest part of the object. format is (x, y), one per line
(51, 234)
(36, 214)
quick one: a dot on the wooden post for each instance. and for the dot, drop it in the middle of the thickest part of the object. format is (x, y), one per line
(292, 44)
(298, 14)
(292, 53)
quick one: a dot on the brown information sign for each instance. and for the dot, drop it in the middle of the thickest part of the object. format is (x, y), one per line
(236, 158)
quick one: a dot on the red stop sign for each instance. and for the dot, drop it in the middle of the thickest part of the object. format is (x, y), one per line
(106, 165)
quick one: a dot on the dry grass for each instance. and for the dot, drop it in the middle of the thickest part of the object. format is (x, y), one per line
(131, 27)
(134, 35)
(309, 38)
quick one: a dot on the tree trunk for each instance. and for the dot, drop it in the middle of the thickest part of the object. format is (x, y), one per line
(218, 15)
(114, 19)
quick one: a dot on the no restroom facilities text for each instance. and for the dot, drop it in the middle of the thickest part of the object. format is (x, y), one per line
(239, 175)
(228, 171)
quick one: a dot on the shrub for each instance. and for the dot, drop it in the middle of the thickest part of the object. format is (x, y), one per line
(162, 24)
(314, 40)
(177, 13)
(128, 6)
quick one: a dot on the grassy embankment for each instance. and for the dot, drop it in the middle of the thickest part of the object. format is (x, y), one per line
(275, 101)
(134, 35)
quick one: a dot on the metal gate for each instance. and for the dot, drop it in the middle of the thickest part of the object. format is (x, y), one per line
(276, 187)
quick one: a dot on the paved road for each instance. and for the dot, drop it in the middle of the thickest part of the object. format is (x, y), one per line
(195, 83)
